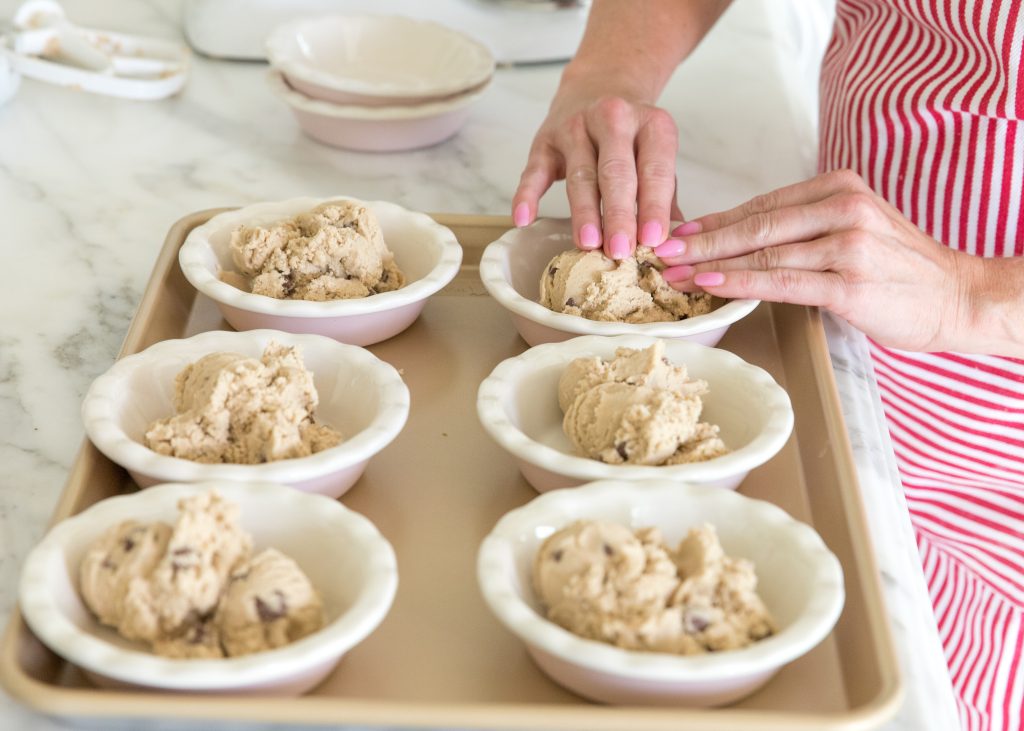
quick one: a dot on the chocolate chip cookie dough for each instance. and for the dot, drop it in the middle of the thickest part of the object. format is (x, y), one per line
(636, 408)
(602, 581)
(241, 410)
(195, 590)
(336, 251)
(590, 285)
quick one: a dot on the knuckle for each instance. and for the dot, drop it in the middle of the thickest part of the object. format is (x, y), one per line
(847, 179)
(618, 170)
(761, 203)
(765, 259)
(661, 123)
(761, 227)
(576, 127)
(615, 112)
(658, 171)
(581, 175)
(858, 208)
(784, 281)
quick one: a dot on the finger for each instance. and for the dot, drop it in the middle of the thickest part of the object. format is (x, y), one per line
(542, 169)
(614, 133)
(795, 286)
(656, 147)
(821, 255)
(760, 231)
(581, 188)
(816, 189)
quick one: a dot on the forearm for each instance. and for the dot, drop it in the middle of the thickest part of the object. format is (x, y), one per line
(995, 324)
(631, 47)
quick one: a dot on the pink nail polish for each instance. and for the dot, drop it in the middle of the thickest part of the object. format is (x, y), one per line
(672, 247)
(709, 279)
(619, 246)
(687, 229)
(521, 217)
(590, 237)
(678, 274)
(650, 234)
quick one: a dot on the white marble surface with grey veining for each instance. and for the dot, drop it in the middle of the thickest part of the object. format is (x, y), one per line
(89, 186)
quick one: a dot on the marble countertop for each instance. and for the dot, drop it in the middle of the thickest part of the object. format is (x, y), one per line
(89, 186)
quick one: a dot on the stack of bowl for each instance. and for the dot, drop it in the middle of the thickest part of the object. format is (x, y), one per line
(377, 82)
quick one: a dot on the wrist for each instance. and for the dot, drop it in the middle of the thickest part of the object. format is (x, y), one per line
(593, 79)
(994, 305)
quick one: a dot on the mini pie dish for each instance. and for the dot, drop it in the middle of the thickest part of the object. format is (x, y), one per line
(799, 579)
(349, 562)
(425, 251)
(518, 406)
(377, 59)
(511, 269)
(360, 395)
(376, 128)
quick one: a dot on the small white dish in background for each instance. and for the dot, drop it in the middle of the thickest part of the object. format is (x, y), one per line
(799, 579)
(361, 396)
(376, 129)
(518, 406)
(426, 252)
(511, 269)
(377, 60)
(9, 79)
(345, 557)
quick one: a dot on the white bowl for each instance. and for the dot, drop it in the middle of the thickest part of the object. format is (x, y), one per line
(379, 128)
(511, 269)
(360, 395)
(799, 579)
(425, 251)
(518, 406)
(377, 59)
(346, 558)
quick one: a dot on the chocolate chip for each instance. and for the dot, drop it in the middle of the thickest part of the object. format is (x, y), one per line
(108, 564)
(267, 613)
(608, 550)
(695, 622)
(665, 361)
(552, 270)
(557, 555)
(128, 544)
(181, 551)
(621, 449)
(644, 266)
(570, 302)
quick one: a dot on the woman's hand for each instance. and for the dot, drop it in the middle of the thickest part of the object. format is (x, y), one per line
(617, 155)
(830, 241)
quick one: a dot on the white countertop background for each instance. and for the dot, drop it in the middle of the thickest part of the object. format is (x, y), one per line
(89, 186)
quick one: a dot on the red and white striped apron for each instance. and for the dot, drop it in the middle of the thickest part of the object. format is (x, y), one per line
(925, 99)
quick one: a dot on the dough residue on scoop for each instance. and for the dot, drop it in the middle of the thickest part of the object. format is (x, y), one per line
(636, 408)
(195, 590)
(335, 251)
(602, 581)
(590, 285)
(241, 410)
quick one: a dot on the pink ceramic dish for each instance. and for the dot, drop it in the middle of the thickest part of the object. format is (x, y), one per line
(376, 129)
(518, 406)
(361, 396)
(511, 268)
(799, 579)
(346, 558)
(425, 251)
(377, 60)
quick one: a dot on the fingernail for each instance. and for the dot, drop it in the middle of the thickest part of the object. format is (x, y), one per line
(619, 246)
(650, 234)
(521, 217)
(687, 229)
(672, 247)
(590, 237)
(709, 279)
(677, 274)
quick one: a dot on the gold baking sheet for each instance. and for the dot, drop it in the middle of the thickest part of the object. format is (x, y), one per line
(440, 659)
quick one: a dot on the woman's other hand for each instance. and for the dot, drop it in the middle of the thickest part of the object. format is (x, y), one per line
(832, 242)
